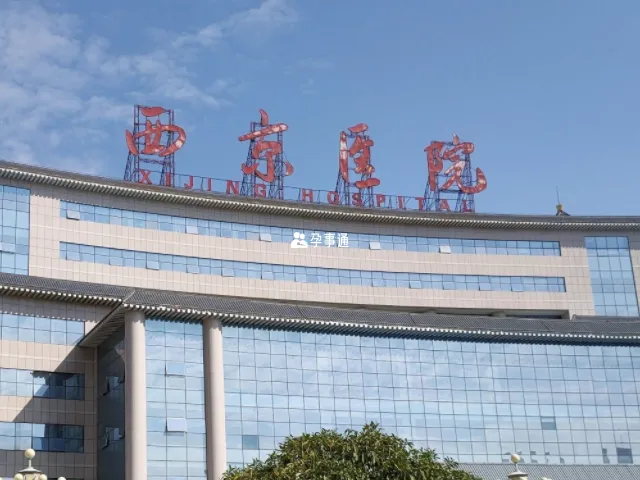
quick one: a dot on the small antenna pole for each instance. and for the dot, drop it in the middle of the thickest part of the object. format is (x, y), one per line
(559, 206)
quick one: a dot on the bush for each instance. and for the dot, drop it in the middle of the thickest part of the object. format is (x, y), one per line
(366, 455)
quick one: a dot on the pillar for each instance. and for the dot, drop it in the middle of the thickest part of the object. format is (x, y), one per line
(135, 396)
(214, 399)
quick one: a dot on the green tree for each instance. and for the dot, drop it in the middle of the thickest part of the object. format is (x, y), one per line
(366, 455)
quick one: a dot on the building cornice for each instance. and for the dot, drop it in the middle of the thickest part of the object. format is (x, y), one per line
(339, 319)
(328, 326)
(56, 178)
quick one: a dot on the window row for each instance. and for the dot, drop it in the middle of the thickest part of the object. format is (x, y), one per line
(42, 437)
(164, 409)
(164, 439)
(28, 328)
(611, 272)
(178, 453)
(157, 340)
(252, 418)
(172, 397)
(114, 216)
(399, 375)
(175, 381)
(14, 194)
(282, 427)
(594, 244)
(176, 425)
(432, 387)
(30, 383)
(176, 363)
(335, 276)
(505, 365)
(406, 400)
(240, 448)
(408, 344)
(174, 469)
(252, 393)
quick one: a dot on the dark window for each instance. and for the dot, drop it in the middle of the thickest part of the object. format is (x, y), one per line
(55, 385)
(624, 455)
(548, 423)
(250, 442)
(43, 437)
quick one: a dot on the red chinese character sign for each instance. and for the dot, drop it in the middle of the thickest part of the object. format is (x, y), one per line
(450, 181)
(360, 152)
(154, 141)
(265, 160)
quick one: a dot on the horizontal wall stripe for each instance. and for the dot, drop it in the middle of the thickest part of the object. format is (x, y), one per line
(300, 274)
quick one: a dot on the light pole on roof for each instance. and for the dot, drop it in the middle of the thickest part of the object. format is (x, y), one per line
(519, 475)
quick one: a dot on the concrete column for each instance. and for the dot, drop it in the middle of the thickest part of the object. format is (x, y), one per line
(135, 396)
(214, 399)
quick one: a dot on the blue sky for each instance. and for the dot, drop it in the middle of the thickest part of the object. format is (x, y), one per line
(547, 91)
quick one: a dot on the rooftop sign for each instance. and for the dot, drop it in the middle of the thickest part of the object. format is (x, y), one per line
(450, 185)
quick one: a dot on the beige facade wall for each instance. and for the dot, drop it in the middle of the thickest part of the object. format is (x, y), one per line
(48, 230)
(51, 358)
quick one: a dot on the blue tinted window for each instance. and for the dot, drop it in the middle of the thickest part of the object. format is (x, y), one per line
(474, 402)
(175, 400)
(227, 268)
(611, 271)
(14, 230)
(243, 231)
(27, 328)
(29, 383)
(42, 437)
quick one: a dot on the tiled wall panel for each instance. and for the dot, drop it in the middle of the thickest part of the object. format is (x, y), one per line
(49, 229)
(67, 358)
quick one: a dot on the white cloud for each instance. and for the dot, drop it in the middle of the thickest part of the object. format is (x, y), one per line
(60, 82)
(270, 15)
(180, 88)
(51, 83)
(101, 108)
(207, 37)
(42, 83)
(262, 20)
(95, 51)
(159, 73)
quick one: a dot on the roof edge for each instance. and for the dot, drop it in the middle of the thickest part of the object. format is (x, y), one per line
(231, 310)
(64, 179)
(112, 322)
